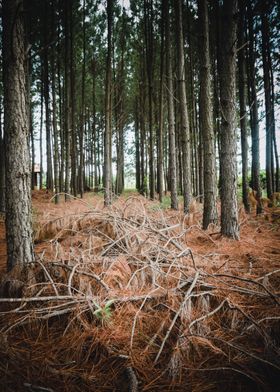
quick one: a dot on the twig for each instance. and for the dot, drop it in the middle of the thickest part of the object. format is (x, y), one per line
(176, 316)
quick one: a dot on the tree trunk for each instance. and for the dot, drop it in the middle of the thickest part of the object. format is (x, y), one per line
(108, 114)
(49, 182)
(82, 116)
(148, 15)
(54, 112)
(185, 131)
(2, 163)
(18, 181)
(210, 214)
(72, 117)
(229, 207)
(67, 104)
(254, 121)
(171, 115)
(269, 107)
(242, 104)
(161, 106)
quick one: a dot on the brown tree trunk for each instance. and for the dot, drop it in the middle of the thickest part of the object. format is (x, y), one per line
(242, 104)
(67, 104)
(148, 15)
(171, 115)
(108, 114)
(210, 214)
(54, 112)
(229, 207)
(2, 163)
(254, 121)
(185, 131)
(18, 181)
(49, 182)
(269, 108)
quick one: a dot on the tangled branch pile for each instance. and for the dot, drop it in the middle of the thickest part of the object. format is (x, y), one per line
(116, 301)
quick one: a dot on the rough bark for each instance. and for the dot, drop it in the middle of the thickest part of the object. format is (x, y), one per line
(242, 104)
(161, 106)
(2, 164)
(269, 108)
(229, 207)
(18, 180)
(171, 116)
(49, 182)
(54, 112)
(254, 121)
(210, 214)
(67, 103)
(185, 131)
(148, 15)
(108, 114)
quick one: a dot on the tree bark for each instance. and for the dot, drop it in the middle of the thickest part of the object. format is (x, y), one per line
(210, 214)
(67, 104)
(269, 107)
(171, 115)
(2, 163)
(229, 207)
(18, 181)
(242, 104)
(254, 121)
(108, 114)
(185, 130)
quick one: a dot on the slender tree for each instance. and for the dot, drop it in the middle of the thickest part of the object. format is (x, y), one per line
(269, 105)
(210, 208)
(228, 175)
(108, 114)
(253, 103)
(242, 103)
(171, 114)
(185, 130)
(18, 181)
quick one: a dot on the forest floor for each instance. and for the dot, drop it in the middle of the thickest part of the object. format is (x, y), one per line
(139, 297)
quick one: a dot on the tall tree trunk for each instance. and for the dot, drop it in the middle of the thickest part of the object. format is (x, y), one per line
(67, 104)
(94, 131)
(2, 163)
(18, 190)
(185, 130)
(120, 85)
(82, 117)
(54, 111)
(72, 124)
(269, 108)
(137, 147)
(210, 214)
(148, 15)
(242, 104)
(108, 114)
(49, 183)
(41, 127)
(161, 106)
(171, 114)
(254, 121)
(229, 207)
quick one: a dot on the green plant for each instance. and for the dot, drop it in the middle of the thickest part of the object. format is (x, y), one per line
(104, 313)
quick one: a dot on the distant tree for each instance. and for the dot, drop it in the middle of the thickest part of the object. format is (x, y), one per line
(18, 175)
